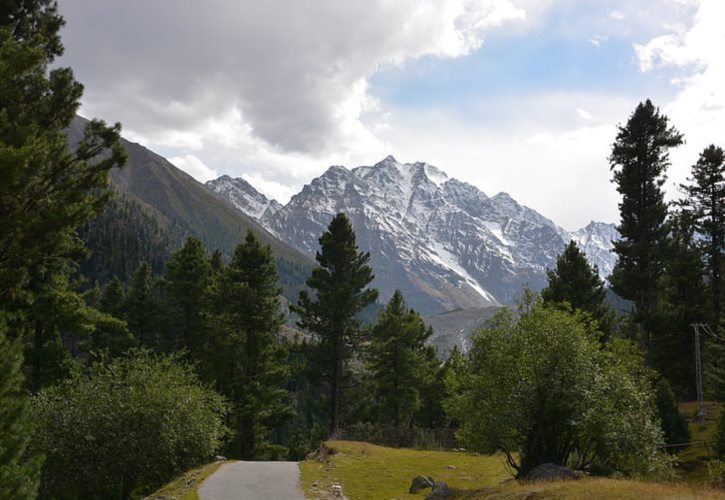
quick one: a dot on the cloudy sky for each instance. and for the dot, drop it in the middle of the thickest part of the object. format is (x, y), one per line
(521, 96)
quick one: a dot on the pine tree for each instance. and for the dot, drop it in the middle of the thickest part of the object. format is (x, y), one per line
(216, 262)
(113, 298)
(576, 283)
(340, 282)
(683, 298)
(19, 476)
(252, 371)
(706, 202)
(46, 191)
(639, 159)
(145, 312)
(398, 362)
(188, 276)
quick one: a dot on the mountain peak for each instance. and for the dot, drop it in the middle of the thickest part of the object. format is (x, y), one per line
(244, 197)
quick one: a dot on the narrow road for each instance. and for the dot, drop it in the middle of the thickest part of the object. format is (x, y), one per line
(253, 481)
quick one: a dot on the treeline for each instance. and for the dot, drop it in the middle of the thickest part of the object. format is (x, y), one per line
(670, 256)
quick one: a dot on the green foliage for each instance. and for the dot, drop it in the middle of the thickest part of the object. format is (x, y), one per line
(540, 388)
(123, 235)
(245, 354)
(674, 423)
(19, 476)
(719, 438)
(639, 159)
(129, 425)
(576, 283)
(340, 282)
(683, 297)
(145, 312)
(188, 276)
(47, 191)
(705, 200)
(397, 359)
(716, 473)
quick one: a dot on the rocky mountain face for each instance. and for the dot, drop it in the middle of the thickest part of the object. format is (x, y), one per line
(444, 243)
(244, 197)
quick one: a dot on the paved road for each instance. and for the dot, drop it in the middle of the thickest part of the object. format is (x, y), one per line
(253, 481)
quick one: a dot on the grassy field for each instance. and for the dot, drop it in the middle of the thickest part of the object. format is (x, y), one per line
(694, 459)
(372, 472)
(184, 487)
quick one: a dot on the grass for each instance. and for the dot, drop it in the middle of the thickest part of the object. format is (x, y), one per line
(185, 486)
(694, 458)
(372, 472)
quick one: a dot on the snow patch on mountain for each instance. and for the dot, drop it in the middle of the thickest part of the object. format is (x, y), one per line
(443, 242)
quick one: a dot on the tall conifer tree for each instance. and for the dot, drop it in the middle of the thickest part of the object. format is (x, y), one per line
(705, 200)
(188, 276)
(340, 283)
(639, 160)
(398, 362)
(575, 282)
(253, 370)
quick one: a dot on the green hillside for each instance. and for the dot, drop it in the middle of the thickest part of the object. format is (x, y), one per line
(178, 205)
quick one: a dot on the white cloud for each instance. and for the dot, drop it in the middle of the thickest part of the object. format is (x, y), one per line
(698, 109)
(584, 114)
(292, 75)
(597, 40)
(617, 15)
(194, 167)
(273, 190)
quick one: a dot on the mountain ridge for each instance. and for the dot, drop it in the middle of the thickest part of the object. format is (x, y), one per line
(443, 242)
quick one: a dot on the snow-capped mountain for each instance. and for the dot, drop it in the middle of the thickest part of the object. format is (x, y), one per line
(244, 197)
(595, 239)
(444, 243)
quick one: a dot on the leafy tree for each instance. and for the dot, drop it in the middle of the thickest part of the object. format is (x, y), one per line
(252, 371)
(340, 282)
(540, 388)
(576, 283)
(639, 160)
(126, 427)
(19, 476)
(706, 202)
(188, 276)
(397, 359)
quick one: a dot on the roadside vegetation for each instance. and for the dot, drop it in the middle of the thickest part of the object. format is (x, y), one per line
(369, 472)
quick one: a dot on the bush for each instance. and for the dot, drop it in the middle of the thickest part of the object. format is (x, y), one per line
(127, 426)
(719, 438)
(540, 388)
(674, 423)
(716, 473)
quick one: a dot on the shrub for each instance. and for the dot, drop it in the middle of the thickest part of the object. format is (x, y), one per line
(719, 438)
(126, 427)
(540, 388)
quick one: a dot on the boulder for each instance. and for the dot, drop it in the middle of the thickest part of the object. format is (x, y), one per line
(419, 483)
(441, 491)
(551, 472)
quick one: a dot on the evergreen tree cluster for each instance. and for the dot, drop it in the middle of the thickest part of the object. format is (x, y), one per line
(670, 257)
